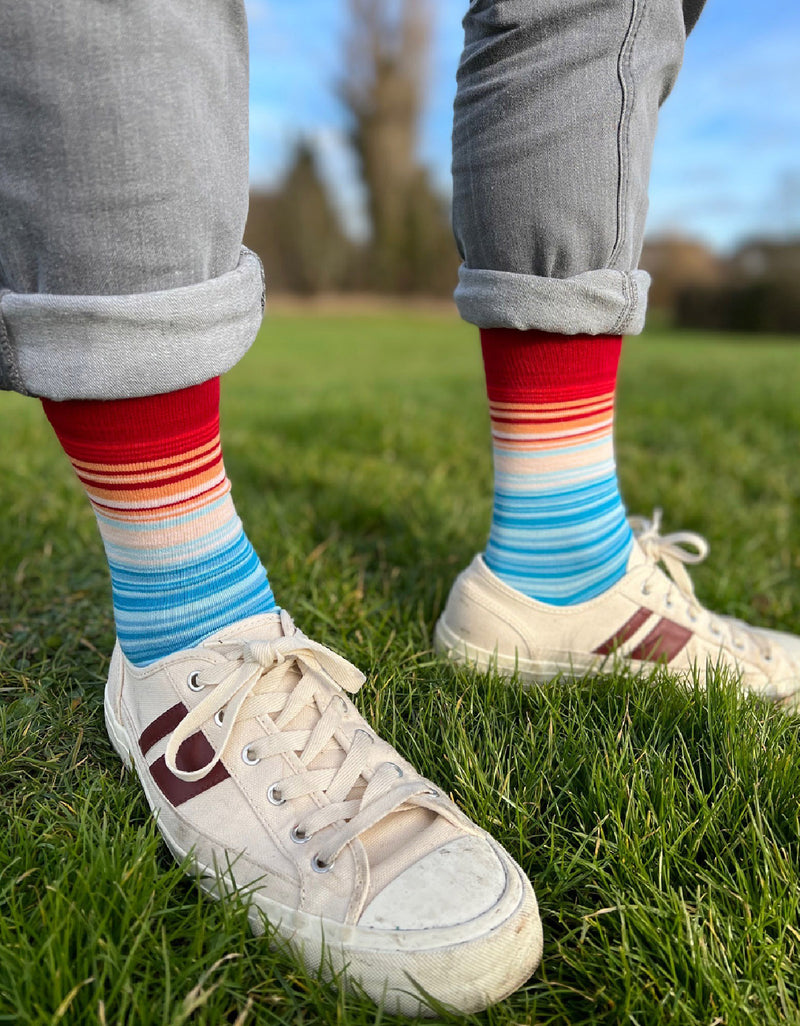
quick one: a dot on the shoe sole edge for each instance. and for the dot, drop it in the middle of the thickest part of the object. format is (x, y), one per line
(529, 671)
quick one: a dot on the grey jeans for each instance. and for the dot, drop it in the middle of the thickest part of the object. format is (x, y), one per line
(123, 180)
(123, 196)
(555, 119)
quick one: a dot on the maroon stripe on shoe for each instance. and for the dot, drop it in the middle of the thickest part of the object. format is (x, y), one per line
(192, 754)
(626, 631)
(663, 642)
(161, 726)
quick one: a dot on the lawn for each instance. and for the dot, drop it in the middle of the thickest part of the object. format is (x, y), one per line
(660, 826)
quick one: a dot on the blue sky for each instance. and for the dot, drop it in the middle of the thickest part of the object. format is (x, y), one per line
(727, 160)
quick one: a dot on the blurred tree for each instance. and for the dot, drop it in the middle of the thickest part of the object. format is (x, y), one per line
(260, 236)
(295, 229)
(297, 234)
(676, 262)
(757, 293)
(753, 289)
(383, 89)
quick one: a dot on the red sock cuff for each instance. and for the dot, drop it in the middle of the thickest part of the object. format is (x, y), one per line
(531, 365)
(145, 428)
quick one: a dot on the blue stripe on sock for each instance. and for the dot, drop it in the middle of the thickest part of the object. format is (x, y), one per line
(560, 537)
(160, 609)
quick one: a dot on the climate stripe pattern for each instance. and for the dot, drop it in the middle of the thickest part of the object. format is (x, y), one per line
(559, 532)
(181, 564)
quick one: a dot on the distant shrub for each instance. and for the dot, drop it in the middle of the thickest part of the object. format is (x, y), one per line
(759, 306)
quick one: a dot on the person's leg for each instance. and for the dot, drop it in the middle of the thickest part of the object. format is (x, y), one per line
(555, 120)
(123, 174)
(123, 182)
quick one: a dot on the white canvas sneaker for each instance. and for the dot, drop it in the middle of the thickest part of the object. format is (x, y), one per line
(260, 768)
(650, 616)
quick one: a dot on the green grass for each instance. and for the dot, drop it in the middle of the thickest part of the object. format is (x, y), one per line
(660, 827)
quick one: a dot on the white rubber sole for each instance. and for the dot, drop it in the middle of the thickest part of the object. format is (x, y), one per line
(396, 969)
(530, 671)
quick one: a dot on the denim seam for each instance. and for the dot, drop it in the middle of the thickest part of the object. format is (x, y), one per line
(625, 76)
(263, 278)
(630, 296)
(627, 307)
(634, 293)
(10, 376)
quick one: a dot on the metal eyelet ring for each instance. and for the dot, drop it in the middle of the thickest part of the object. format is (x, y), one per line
(219, 716)
(321, 867)
(394, 766)
(298, 835)
(433, 792)
(192, 684)
(274, 796)
(248, 759)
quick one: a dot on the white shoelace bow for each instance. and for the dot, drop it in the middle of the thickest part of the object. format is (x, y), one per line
(670, 550)
(253, 688)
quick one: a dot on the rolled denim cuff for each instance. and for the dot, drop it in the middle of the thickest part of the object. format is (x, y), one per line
(123, 346)
(605, 302)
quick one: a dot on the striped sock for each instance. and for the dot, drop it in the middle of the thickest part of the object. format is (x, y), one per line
(181, 565)
(559, 532)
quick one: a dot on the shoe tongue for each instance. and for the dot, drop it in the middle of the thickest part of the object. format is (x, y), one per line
(409, 833)
(637, 557)
(268, 627)
(264, 627)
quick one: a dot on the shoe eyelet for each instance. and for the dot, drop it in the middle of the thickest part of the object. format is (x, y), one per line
(191, 682)
(248, 759)
(219, 716)
(398, 769)
(433, 792)
(298, 836)
(274, 796)
(342, 702)
(321, 867)
(645, 590)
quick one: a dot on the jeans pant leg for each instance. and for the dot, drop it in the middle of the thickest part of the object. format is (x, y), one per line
(555, 119)
(123, 196)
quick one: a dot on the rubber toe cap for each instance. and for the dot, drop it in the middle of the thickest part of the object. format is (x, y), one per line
(454, 884)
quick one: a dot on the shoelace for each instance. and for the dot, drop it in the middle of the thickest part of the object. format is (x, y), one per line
(256, 686)
(670, 550)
